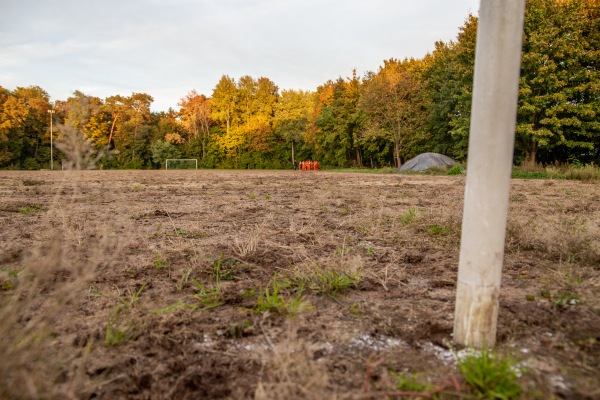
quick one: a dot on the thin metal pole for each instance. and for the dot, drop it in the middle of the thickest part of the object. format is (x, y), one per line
(51, 112)
(491, 143)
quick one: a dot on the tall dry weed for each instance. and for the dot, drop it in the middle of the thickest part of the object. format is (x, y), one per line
(248, 244)
(560, 239)
(51, 278)
(290, 371)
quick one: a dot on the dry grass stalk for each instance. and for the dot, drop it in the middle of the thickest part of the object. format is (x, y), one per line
(291, 372)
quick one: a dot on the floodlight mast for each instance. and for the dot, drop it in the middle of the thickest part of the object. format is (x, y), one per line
(51, 112)
(491, 144)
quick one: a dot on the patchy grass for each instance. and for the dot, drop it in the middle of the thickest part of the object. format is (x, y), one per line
(342, 287)
(575, 171)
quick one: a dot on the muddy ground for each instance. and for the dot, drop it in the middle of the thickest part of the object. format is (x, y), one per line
(156, 284)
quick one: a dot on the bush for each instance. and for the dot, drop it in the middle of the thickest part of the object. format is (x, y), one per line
(457, 169)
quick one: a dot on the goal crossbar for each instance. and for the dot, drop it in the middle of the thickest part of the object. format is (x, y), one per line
(181, 159)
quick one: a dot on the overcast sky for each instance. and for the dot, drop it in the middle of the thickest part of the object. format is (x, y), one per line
(167, 48)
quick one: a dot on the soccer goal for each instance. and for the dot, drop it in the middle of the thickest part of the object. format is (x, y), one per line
(181, 163)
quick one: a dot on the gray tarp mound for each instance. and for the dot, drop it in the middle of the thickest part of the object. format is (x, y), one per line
(426, 161)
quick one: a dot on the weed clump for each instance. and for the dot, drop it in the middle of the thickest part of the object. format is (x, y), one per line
(457, 169)
(290, 371)
(491, 376)
(271, 299)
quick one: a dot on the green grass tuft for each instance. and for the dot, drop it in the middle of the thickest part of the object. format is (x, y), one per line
(406, 382)
(208, 297)
(30, 209)
(330, 283)
(439, 230)
(491, 376)
(159, 263)
(272, 300)
(409, 216)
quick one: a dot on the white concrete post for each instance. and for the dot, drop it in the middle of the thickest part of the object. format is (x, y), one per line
(491, 143)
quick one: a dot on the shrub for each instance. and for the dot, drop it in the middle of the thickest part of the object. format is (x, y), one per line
(456, 169)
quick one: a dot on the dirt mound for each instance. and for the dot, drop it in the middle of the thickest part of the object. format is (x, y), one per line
(426, 161)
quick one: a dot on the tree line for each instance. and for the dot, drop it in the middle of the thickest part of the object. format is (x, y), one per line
(380, 119)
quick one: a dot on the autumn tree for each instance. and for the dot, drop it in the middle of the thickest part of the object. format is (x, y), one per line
(86, 114)
(196, 118)
(259, 123)
(24, 127)
(223, 101)
(392, 100)
(291, 119)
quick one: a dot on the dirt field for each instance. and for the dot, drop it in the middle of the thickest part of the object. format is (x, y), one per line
(280, 285)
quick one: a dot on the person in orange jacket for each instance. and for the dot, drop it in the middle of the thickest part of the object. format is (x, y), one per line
(316, 165)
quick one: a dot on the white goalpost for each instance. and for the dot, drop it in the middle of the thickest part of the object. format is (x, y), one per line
(175, 163)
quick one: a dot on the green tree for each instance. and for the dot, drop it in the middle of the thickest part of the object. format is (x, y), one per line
(134, 130)
(448, 86)
(559, 96)
(162, 150)
(339, 123)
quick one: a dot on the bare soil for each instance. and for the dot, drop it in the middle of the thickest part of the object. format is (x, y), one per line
(149, 245)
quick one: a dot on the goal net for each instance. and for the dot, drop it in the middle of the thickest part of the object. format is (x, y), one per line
(181, 163)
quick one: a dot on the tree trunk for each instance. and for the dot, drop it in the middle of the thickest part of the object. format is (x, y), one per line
(397, 154)
(359, 162)
(112, 129)
(532, 151)
(228, 120)
(293, 159)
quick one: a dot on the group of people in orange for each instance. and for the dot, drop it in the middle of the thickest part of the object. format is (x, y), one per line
(309, 165)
